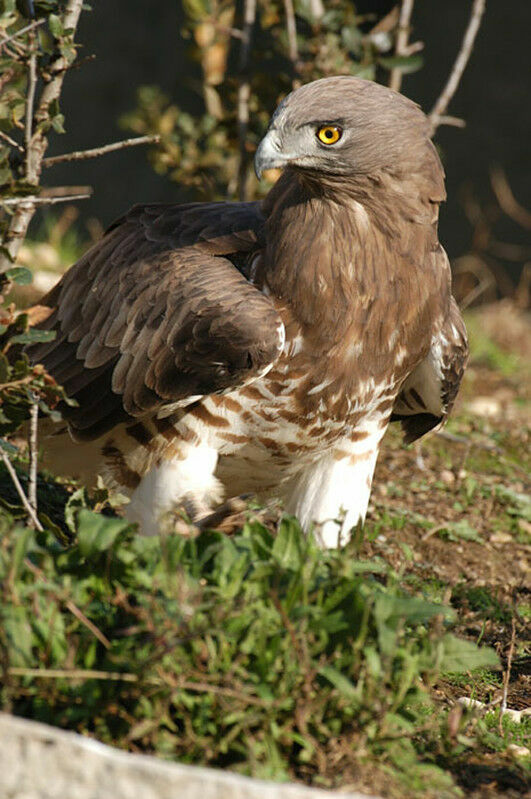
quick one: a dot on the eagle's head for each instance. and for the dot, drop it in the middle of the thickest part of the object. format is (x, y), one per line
(344, 126)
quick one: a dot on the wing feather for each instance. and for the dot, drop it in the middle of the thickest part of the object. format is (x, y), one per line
(428, 394)
(157, 312)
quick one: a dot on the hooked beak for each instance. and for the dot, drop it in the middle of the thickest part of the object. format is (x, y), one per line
(269, 155)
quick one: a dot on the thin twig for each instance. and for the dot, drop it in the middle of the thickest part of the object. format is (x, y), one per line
(20, 491)
(11, 141)
(30, 98)
(33, 455)
(65, 191)
(71, 674)
(506, 199)
(206, 687)
(227, 31)
(438, 111)
(404, 27)
(507, 674)
(31, 200)
(82, 155)
(53, 82)
(291, 29)
(30, 27)
(74, 610)
(244, 93)
(485, 284)
(454, 122)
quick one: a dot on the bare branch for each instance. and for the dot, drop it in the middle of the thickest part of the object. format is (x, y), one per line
(74, 610)
(82, 155)
(436, 115)
(402, 36)
(71, 674)
(455, 122)
(11, 141)
(33, 455)
(30, 27)
(244, 93)
(30, 99)
(291, 28)
(20, 491)
(51, 91)
(65, 191)
(506, 199)
(227, 31)
(32, 200)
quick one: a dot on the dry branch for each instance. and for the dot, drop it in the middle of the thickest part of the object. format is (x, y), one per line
(71, 674)
(244, 93)
(74, 610)
(38, 143)
(30, 27)
(506, 199)
(82, 155)
(437, 114)
(401, 48)
(30, 99)
(11, 141)
(291, 29)
(20, 491)
(33, 455)
(31, 200)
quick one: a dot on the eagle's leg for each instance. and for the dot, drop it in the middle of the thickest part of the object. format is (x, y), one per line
(185, 481)
(333, 493)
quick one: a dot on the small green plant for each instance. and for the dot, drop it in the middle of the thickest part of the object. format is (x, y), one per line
(257, 652)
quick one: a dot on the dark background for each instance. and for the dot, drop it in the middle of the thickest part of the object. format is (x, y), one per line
(136, 42)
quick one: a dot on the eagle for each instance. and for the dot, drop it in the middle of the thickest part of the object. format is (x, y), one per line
(227, 348)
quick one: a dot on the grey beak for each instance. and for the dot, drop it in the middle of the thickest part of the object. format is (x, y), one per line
(268, 155)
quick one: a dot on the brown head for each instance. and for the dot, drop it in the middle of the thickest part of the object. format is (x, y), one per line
(346, 126)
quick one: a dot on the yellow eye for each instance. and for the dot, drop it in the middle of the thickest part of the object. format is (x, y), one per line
(329, 134)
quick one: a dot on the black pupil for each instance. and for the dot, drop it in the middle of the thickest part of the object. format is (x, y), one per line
(329, 134)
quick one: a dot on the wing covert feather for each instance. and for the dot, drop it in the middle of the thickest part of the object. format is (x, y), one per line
(157, 312)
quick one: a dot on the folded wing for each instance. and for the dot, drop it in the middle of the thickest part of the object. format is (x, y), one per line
(427, 395)
(159, 312)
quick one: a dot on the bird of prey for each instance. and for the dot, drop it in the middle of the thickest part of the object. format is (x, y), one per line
(234, 347)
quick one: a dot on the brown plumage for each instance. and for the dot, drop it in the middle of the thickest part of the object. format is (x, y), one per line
(266, 346)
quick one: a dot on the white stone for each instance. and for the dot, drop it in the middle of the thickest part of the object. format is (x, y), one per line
(42, 762)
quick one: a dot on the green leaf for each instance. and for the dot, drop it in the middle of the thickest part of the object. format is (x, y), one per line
(33, 336)
(97, 533)
(366, 71)
(406, 64)
(391, 609)
(20, 274)
(461, 530)
(23, 538)
(58, 123)
(461, 655)
(56, 26)
(289, 543)
(339, 681)
(17, 630)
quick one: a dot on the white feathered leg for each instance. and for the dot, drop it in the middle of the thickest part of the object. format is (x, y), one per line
(187, 481)
(334, 492)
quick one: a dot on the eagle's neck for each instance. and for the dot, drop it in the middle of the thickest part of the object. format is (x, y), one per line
(336, 248)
